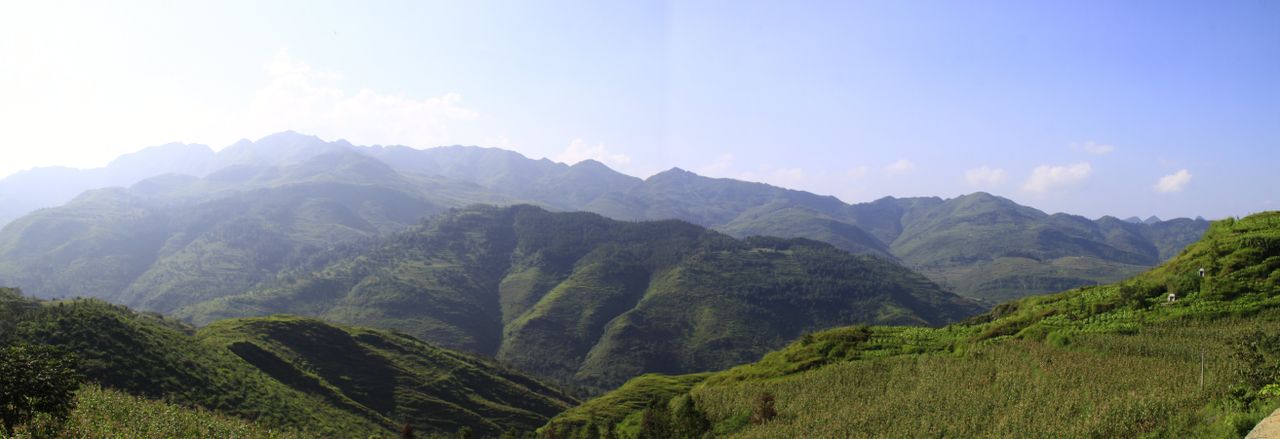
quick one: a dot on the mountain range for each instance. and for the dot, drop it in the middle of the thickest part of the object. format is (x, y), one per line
(322, 193)
(339, 290)
(592, 301)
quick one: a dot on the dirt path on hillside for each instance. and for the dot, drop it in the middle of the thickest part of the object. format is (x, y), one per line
(1268, 428)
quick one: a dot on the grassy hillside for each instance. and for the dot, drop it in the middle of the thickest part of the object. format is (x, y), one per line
(106, 414)
(287, 372)
(389, 376)
(1104, 361)
(584, 299)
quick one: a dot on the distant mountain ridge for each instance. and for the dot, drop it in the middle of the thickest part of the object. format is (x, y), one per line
(1028, 252)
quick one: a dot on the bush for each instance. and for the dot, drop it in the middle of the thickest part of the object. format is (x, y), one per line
(1256, 360)
(687, 420)
(763, 411)
(35, 379)
(655, 423)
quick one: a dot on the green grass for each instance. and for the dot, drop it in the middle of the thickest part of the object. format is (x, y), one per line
(615, 406)
(1102, 385)
(108, 414)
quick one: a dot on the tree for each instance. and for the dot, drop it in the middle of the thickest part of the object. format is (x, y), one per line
(655, 422)
(13, 308)
(1256, 359)
(687, 420)
(36, 379)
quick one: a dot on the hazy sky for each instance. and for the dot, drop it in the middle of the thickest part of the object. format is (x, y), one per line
(1108, 107)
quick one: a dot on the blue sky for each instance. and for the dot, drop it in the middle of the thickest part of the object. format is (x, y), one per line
(1121, 108)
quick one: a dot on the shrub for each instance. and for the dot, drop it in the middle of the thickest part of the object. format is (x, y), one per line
(655, 423)
(35, 379)
(687, 420)
(762, 411)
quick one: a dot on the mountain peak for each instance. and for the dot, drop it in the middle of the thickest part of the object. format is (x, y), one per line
(288, 136)
(672, 173)
(589, 163)
(1151, 220)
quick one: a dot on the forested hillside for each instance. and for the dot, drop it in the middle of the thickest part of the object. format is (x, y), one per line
(592, 301)
(285, 372)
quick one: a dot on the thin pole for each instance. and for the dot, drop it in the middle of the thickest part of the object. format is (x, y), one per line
(1201, 370)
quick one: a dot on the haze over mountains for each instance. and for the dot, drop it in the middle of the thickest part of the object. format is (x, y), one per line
(300, 193)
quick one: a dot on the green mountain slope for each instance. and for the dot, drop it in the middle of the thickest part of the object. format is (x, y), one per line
(1118, 360)
(994, 249)
(976, 245)
(288, 372)
(555, 185)
(180, 241)
(739, 208)
(592, 301)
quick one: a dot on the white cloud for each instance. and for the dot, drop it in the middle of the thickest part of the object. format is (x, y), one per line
(580, 150)
(787, 176)
(791, 178)
(718, 168)
(503, 142)
(858, 172)
(1174, 182)
(899, 167)
(308, 100)
(1093, 148)
(985, 176)
(1045, 178)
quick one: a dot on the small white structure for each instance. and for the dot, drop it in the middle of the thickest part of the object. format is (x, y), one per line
(1201, 271)
(1172, 297)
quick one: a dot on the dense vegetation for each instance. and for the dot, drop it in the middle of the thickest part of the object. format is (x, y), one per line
(592, 301)
(35, 380)
(1104, 361)
(104, 414)
(286, 372)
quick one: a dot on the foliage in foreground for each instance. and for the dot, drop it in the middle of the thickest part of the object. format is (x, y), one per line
(35, 380)
(1109, 361)
(105, 413)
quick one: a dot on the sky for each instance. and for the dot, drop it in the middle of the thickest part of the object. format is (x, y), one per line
(1130, 108)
